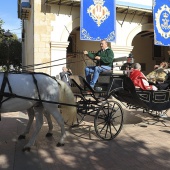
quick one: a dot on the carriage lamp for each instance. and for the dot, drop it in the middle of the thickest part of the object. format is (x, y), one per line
(8, 35)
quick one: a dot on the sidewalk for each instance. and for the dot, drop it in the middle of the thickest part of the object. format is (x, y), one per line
(145, 145)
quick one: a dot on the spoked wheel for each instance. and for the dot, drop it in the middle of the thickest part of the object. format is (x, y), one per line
(108, 120)
(81, 109)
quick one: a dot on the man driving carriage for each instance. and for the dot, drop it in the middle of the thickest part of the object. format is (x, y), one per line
(104, 59)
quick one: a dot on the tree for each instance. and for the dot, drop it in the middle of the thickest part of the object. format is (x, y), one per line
(1, 30)
(10, 49)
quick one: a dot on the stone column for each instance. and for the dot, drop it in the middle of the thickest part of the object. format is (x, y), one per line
(58, 52)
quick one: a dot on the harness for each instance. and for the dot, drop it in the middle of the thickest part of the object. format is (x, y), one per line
(10, 94)
(4, 82)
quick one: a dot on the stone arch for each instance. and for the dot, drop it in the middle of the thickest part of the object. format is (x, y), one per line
(69, 27)
(134, 32)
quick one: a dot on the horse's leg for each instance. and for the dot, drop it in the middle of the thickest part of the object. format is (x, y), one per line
(31, 115)
(39, 123)
(60, 122)
(50, 124)
(54, 111)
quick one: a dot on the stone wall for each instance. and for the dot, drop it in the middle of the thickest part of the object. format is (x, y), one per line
(42, 35)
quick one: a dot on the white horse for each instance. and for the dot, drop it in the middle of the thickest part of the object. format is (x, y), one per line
(35, 92)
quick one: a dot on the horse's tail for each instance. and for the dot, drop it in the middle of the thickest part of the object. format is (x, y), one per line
(66, 96)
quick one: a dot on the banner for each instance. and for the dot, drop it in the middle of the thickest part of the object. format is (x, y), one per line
(161, 17)
(97, 20)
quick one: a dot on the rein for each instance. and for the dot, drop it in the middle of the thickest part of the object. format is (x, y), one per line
(30, 67)
(42, 63)
(56, 65)
(82, 59)
(12, 95)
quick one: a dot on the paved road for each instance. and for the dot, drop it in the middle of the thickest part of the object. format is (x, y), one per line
(143, 145)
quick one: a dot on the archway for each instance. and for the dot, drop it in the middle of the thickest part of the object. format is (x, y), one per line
(69, 28)
(134, 32)
(142, 38)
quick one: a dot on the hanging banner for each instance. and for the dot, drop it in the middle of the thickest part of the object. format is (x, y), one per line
(97, 20)
(161, 17)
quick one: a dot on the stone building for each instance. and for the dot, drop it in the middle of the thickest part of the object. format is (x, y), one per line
(51, 35)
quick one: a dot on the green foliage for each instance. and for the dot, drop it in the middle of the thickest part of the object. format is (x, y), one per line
(1, 30)
(10, 49)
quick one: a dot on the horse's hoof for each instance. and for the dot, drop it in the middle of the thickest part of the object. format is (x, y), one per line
(21, 137)
(26, 149)
(60, 144)
(49, 135)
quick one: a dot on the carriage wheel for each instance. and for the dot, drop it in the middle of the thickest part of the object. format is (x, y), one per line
(80, 110)
(108, 120)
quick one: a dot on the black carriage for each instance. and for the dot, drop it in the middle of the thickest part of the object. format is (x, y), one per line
(108, 112)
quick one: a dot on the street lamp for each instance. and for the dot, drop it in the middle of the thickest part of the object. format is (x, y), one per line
(8, 35)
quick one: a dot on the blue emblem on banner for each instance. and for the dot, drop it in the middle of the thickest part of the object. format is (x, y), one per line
(98, 20)
(161, 16)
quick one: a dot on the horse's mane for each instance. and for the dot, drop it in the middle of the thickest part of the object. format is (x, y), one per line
(66, 96)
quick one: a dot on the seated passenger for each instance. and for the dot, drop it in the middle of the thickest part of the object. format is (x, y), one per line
(139, 79)
(104, 58)
(160, 76)
(65, 75)
(163, 64)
